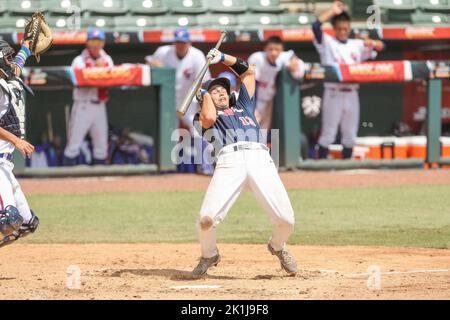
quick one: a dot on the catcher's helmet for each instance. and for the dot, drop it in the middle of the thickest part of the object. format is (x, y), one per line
(6, 56)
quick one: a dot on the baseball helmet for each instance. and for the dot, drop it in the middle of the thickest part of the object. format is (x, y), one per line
(224, 82)
(6, 56)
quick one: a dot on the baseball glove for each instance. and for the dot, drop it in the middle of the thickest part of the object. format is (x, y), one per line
(39, 33)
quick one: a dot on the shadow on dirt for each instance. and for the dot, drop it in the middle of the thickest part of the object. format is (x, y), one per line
(172, 274)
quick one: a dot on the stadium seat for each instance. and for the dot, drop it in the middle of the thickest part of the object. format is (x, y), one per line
(12, 23)
(176, 21)
(265, 6)
(290, 20)
(58, 23)
(129, 23)
(104, 7)
(227, 6)
(439, 6)
(259, 21)
(104, 22)
(396, 11)
(187, 6)
(23, 7)
(60, 7)
(218, 21)
(359, 8)
(147, 7)
(429, 18)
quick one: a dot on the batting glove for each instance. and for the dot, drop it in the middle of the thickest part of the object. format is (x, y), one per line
(199, 95)
(215, 56)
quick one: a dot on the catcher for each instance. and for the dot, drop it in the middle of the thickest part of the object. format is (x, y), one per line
(16, 218)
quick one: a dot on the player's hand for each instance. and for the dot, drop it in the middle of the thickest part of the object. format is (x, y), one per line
(369, 43)
(215, 56)
(24, 147)
(293, 64)
(101, 62)
(200, 94)
(338, 7)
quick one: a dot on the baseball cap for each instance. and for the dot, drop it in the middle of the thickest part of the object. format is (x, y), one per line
(181, 35)
(96, 33)
(224, 82)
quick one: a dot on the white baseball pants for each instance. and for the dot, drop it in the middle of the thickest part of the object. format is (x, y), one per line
(87, 117)
(233, 171)
(340, 110)
(10, 192)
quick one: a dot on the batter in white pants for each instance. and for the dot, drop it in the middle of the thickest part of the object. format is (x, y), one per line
(88, 117)
(234, 170)
(340, 110)
(10, 192)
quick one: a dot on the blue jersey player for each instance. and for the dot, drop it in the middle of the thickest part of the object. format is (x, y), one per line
(242, 160)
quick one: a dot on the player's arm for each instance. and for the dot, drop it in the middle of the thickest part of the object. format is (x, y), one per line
(23, 146)
(337, 8)
(240, 67)
(21, 57)
(208, 114)
(376, 45)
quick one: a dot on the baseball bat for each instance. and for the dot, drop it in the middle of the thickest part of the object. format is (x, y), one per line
(182, 109)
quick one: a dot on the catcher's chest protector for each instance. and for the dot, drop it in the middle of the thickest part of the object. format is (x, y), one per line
(14, 118)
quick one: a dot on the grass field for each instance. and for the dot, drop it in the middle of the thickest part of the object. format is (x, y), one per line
(416, 216)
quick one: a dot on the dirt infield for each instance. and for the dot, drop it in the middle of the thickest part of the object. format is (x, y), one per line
(182, 182)
(160, 271)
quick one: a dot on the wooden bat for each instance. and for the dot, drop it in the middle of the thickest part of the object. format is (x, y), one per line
(182, 109)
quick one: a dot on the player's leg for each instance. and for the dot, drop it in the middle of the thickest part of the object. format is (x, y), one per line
(99, 133)
(8, 201)
(225, 186)
(223, 190)
(80, 122)
(331, 115)
(350, 123)
(271, 194)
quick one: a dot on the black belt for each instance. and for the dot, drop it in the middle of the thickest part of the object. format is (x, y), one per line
(6, 156)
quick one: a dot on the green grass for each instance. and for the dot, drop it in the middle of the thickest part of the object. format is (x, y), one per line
(396, 216)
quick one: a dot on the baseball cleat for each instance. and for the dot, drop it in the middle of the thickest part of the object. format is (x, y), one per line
(204, 264)
(287, 261)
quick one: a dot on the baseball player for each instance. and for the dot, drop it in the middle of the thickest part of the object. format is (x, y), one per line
(16, 218)
(267, 64)
(340, 101)
(88, 113)
(187, 61)
(231, 126)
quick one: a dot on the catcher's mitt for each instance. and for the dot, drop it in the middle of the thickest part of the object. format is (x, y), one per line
(39, 33)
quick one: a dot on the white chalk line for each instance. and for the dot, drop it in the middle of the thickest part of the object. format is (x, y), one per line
(198, 286)
(366, 274)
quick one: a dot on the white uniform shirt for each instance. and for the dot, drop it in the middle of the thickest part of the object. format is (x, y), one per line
(266, 73)
(5, 146)
(90, 93)
(186, 68)
(333, 51)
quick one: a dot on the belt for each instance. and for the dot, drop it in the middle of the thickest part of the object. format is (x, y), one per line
(95, 101)
(244, 146)
(342, 89)
(6, 156)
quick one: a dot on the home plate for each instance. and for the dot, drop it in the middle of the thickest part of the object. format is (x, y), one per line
(198, 286)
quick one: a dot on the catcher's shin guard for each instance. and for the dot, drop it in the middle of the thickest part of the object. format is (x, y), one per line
(24, 230)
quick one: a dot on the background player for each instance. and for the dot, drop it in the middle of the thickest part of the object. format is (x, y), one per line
(267, 65)
(340, 101)
(187, 61)
(89, 104)
(243, 158)
(16, 218)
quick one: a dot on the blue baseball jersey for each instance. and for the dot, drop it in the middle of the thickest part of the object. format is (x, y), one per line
(235, 124)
